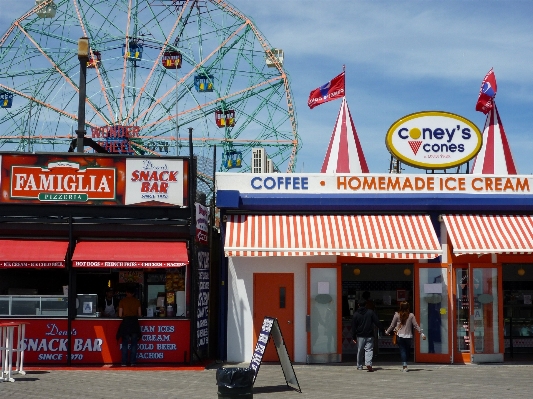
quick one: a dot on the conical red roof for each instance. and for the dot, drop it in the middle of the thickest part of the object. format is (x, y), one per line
(495, 156)
(345, 154)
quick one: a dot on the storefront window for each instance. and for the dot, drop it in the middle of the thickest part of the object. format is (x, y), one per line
(433, 293)
(323, 310)
(485, 312)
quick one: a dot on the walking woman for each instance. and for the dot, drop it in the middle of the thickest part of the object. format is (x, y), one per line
(403, 323)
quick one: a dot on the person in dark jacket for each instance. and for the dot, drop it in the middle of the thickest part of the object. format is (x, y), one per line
(363, 323)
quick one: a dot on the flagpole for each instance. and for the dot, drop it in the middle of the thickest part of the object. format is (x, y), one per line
(344, 72)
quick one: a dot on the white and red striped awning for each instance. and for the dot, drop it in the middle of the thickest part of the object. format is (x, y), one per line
(490, 234)
(375, 236)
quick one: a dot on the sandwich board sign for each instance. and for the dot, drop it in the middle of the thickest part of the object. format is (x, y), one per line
(270, 331)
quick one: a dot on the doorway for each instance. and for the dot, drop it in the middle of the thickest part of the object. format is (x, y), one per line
(518, 311)
(274, 297)
(478, 313)
(432, 308)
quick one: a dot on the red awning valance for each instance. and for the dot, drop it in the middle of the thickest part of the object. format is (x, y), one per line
(32, 253)
(130, 254)
(376, 236)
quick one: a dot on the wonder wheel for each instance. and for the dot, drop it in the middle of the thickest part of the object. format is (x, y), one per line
(156, 68)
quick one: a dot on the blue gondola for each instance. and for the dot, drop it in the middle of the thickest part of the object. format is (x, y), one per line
(232, 159)
(135, 51)
(6, 99)
(203, 83)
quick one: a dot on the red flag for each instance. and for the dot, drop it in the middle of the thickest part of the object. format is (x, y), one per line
(330, 91)
(487, 92)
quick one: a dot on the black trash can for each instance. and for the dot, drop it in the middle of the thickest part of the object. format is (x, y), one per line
(235, 383)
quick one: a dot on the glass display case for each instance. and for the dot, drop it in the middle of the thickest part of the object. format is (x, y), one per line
(33, 305)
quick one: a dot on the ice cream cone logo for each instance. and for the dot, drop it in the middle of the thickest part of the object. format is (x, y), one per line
(415, 134)
(415, 145)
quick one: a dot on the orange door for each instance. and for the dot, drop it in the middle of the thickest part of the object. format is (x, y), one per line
(274, 297)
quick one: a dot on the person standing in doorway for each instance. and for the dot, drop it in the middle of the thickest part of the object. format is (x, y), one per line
(370, 305)
(404, 322)
(129, 309)
(109, 304)
(363, 323)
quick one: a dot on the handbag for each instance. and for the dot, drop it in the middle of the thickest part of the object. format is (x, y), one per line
(395, 336)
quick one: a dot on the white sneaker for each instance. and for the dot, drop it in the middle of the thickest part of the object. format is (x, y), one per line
(405, 369)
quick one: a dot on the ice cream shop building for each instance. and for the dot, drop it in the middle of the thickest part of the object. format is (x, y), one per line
(458, 246)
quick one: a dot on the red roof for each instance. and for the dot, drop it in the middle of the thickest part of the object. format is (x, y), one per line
(344, 154)
(495, 156)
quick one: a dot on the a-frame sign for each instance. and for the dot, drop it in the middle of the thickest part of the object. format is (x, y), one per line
(270, 329)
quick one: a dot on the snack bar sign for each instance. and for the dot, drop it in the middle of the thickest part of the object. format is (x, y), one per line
(63, 181)
(433, 140)
(159, 180)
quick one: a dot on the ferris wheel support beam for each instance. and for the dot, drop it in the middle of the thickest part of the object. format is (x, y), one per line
(67, 79)
(193, 70)
(125, 61)
(156, 64)
(19, 93)
(204, 105)
(86, 34)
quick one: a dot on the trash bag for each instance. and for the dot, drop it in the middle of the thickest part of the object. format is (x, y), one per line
(235, 377)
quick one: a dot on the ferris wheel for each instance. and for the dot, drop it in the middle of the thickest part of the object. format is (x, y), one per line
(156, 68)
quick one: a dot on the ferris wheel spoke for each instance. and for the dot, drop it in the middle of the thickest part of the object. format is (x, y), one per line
(155, 64)
(56, 67)
(36, 100)
(89, 35)
(125, 61)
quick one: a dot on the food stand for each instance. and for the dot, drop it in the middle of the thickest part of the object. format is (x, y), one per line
(79, 225)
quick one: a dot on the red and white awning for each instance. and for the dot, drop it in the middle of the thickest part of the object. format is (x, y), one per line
(344, 154)
(490, 234)
(495, 156)
(375, 236)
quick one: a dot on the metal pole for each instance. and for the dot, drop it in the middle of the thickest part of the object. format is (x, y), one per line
(192, 252)
(83, 56)
(177, 124)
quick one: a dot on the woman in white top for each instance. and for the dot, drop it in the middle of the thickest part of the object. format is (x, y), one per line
(404, 322)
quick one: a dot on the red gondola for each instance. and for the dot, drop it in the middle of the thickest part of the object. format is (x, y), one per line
(171, 59)
(225, 118)
(94, 59)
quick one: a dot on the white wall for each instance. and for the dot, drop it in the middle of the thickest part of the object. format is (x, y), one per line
(241, 339)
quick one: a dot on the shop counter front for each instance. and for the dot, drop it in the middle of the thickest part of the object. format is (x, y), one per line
(163, 340)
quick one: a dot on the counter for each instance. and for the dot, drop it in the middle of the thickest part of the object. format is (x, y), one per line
(164, 340)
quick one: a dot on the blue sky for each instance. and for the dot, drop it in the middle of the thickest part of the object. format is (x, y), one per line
(401, 57)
